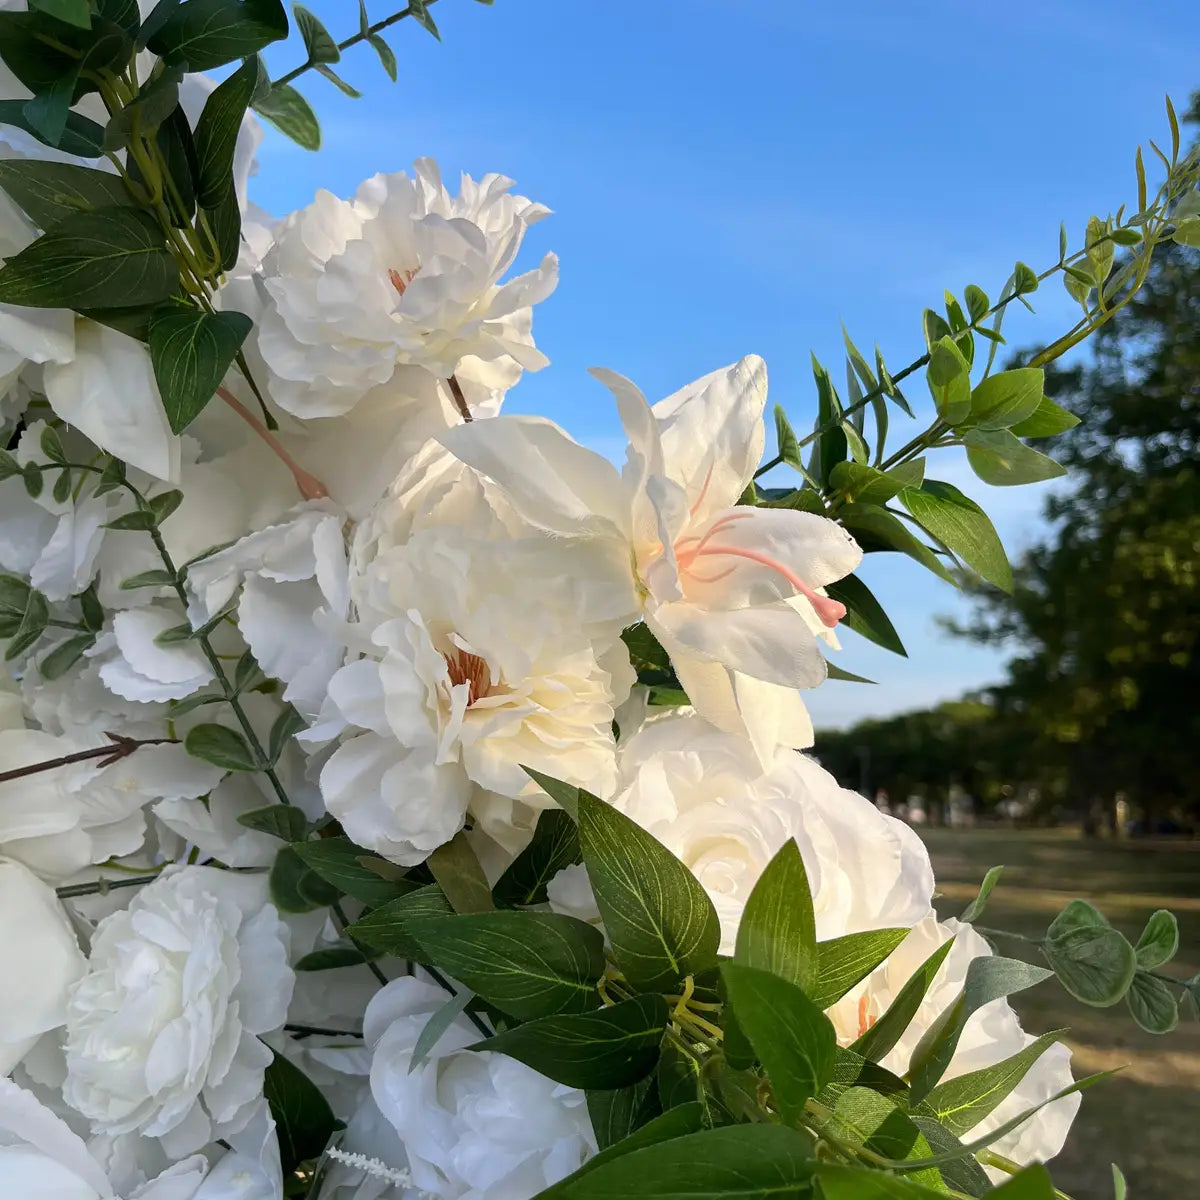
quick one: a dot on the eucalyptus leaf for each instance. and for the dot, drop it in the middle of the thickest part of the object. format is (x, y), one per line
(975, 909)
(339, 862)
(1092, 960)
(1151, 1003)
(291, 114)
(221, 746)
(1001, 459)
(962, 527)
(1007, 398)
(283, 821)
(1159, 941)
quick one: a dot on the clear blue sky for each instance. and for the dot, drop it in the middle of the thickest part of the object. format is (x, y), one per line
(736, 176)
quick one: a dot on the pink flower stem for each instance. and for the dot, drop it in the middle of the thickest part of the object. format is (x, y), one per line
(310, 487)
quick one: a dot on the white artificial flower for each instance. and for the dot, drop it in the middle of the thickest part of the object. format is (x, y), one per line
(290, 575)
(732, 592)
(162, 1030)
(136, 666)
(479, 664)
(402, 275)
(476, 1126)
(991, 1034)
(702, 793)
(41, 962)
(41, 1158)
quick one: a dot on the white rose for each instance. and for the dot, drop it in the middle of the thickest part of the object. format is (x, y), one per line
(41, 961)
(483, 665)
(992, 1034)
(42, 1159)
(474, 1125)
(162, 1030)
(702, 793)
(404, 274)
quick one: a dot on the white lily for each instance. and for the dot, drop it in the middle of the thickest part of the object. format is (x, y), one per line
(733, 593)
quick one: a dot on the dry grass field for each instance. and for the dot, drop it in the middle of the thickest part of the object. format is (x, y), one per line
(1148, 1118)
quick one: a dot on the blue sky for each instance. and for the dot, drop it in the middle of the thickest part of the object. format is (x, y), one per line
(737, 176)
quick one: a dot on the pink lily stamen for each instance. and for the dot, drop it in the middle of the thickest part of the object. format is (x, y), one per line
(703, 491)
(829, 611)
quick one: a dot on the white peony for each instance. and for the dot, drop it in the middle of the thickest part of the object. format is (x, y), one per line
(732, 592)
(476, 1126)
(702, 793)
(482, 665)
(41, 961)
(162, 1029)
(991, 1035)
(41, 1158)
(402, 275)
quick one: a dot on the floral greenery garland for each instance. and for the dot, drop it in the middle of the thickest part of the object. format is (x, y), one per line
(442, 833)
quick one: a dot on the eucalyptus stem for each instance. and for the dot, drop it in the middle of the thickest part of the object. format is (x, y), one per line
(361, 36)
(101, 886)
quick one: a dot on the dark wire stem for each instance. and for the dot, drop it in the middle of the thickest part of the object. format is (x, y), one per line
(117, 749)
(316, 1031)
(361, 36)
(460, 401)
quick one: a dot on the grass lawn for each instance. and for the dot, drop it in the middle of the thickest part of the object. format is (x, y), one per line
(1145, 1119)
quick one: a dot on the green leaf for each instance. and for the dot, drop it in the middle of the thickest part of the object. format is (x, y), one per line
(563, 794)
(1092, 960)
(1159, 942)
(793, 1039)
(777, 932)
(962, 527)
(961, 1174)
(139, 520)
(949, 379)
(987, 979)
(191, 351)
(225, 221)
(286, 726)
(859, 1183)
(63, 657)
(436, 1026)
(32, 477)
(963, 1102)
(303, 1119)
(291, 114)
(852, 1070)
(846, 961)
(660, 920)
(749, 1162)
(164, 504)
(339, 862)
(388, 927)
(317, 41)
(864, 1118)
(386, 56)
(217, 133)
(1033, 1183)
(347, 89)
(830, 447)
(680, 1121)
(618, 1112)
(1025, 280)
(858, 482)
(14, 599)
(1007, 398)
(296, 889)
(864, 614)
(283, 821)
(74, 12)
(421, 15)
(1151, 1003)
(154, 105)
(610, 1048)
(159, 578)
(833, 671)
(62, 487)
(789, 447)
(977, 302)
(974, 910)
(1119, 1186)
(333, 958)
(999, 458)
(555, 845)
(458, 873)
(526, 964)
(112, 257)
(210, 33)
(81, 137)
(50, 191)
(221, 746)
(33, 624)
(1047, 420)
(878, 529)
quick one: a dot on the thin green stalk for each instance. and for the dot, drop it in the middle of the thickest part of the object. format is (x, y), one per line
(361, 36)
